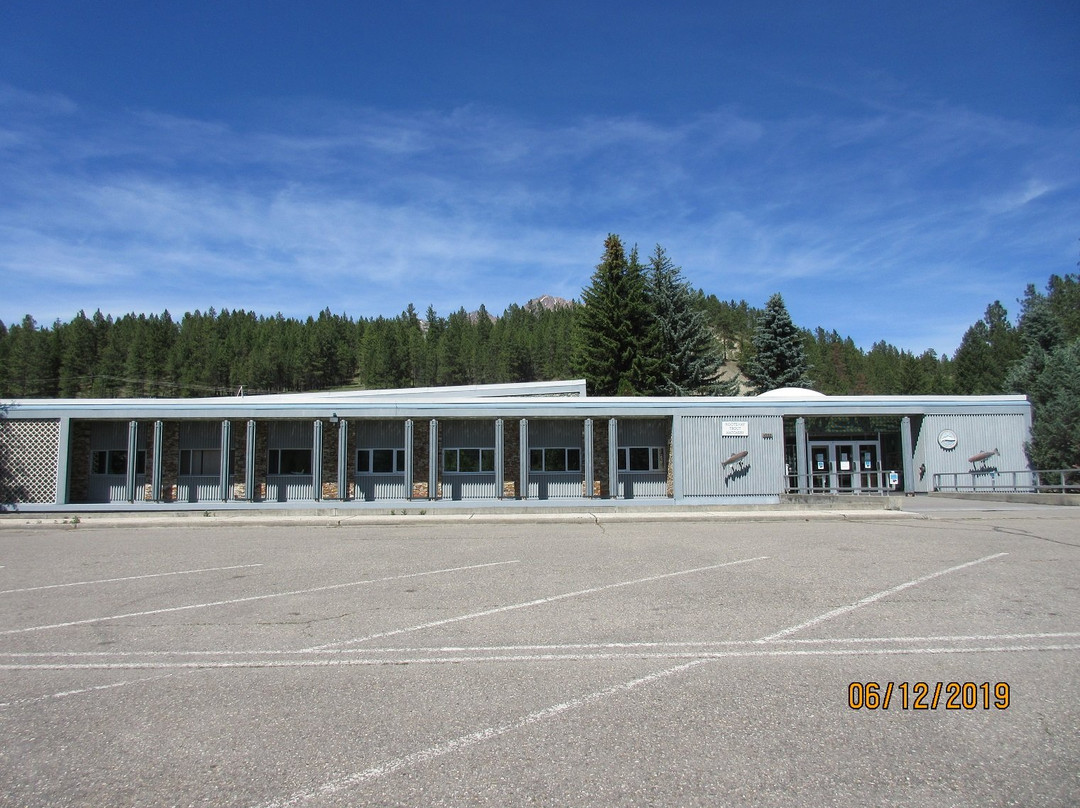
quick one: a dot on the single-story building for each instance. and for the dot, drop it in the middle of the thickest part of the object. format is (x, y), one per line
(523, 442)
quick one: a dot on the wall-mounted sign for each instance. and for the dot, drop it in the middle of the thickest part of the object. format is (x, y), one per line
(735, 429)
(947, 439)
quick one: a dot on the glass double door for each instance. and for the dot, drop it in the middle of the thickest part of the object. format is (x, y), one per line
(845, 467)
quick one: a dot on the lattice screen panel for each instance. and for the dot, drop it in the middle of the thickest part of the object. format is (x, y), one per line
(28, 456)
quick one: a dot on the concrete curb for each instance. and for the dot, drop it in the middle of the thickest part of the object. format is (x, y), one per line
(346, 520)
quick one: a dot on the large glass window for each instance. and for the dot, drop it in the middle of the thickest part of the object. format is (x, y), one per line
(380, 461)
(289, 461)
(200, 461)
(469, 461)
(642, 458)
(114, 461)
(555, 459)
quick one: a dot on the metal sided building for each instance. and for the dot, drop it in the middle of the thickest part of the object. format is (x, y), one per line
(530, 443)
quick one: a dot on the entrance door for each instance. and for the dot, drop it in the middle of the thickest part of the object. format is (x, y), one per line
(844, 467)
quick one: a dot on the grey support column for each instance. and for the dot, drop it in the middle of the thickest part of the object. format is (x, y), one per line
(590, 465)
(433, 459)
(249, 463)
(132, 452)
(523, 459)
(500, 455)
(226, 466)
(906, 444)
(317, 458)
(343, 460)
(801, 467)
(63, 455)
(156, 476)
(409, 434)
(613, 458)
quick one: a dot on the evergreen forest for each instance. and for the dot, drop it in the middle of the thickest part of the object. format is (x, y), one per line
(640, 329)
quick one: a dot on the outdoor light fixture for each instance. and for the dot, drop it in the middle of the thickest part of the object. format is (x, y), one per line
(334, 418)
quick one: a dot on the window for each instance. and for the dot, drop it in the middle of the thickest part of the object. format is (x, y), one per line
(289, 461)
(554, 460)
(642, 458)
(114, 461)
(469, 461)
(380, 461)
(205, 462)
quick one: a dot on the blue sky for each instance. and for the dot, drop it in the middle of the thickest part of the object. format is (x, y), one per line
(889, 167)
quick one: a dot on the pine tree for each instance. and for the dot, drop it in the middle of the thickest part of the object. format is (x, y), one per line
(613, 329)
(780, 356)
(685, 350)
(985, 353)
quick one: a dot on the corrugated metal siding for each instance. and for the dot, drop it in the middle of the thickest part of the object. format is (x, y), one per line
(468, 486)
(370, 487)
(468, 434)
(105, 435)
(642, 484)
(111, 488)
(975, 434)
(200, 435)
(288, 487)
(379, 434)
(558, 484)
(291, 435)
(198, 488)
(556, 433)
(704, 450)
(643, 431)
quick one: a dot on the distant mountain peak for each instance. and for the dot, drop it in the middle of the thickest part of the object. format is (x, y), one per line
(547, 302)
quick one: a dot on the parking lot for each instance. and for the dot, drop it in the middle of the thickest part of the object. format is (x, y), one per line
(519, 662)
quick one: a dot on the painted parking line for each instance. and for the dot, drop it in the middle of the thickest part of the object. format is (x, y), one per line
(526, 604)
(876, 597)
(251, 599)
(129, 578)
(609, 650)
(194, 660)
(461, 742)
(80, 691)
(472, 739)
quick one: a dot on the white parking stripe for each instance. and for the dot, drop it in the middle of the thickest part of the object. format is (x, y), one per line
(472, 739)
(875, 597)
(527, 604)
(549, 649)
(66, 693)
(250, 599)
(465, 741)
(130, 578)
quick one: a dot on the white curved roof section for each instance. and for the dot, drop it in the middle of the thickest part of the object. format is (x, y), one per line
(791, 394)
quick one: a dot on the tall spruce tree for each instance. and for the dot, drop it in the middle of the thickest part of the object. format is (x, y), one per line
(688, 361)
(780, 356)
(1049, 374)
(614, 328)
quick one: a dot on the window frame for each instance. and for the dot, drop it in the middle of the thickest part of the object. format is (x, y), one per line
(485, 456)
(397, 460)
(274, 468)
(546, 452)
(629, 457)
(114, 462)
(202, 452)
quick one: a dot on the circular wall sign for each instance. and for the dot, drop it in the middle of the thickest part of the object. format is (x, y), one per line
(947, 439)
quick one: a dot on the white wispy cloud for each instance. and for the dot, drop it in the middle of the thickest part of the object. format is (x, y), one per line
(930, 210)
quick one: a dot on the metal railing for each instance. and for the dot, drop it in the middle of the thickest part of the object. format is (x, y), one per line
(880, 482)
(1051, 481)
